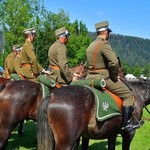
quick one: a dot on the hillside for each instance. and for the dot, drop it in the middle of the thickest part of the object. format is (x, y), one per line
(132, 50)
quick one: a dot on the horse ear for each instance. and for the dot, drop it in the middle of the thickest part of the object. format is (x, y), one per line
(82, 63)
(119, 61)
(85, 64)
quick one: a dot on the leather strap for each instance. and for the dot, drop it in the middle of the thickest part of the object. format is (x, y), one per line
(54, 67)
(95, 54)
(25, 65)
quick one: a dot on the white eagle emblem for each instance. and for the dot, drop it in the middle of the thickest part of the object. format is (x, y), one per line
(105, 106)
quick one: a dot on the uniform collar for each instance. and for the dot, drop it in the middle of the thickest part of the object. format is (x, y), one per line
(28, 41)
(58, 41)
(100, 38)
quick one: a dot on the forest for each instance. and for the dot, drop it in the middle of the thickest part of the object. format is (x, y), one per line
(17, 15)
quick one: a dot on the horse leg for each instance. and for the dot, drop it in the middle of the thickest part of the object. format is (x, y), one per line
(112, 143)
(85, 143)
(4, 134)
(3, 145)
(20, 128)
(77, 143)
(126, 140)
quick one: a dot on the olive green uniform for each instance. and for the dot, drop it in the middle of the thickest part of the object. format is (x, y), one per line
(29, 65)
(103, 63)
(57, 58)
(8, 65)
(17, 66)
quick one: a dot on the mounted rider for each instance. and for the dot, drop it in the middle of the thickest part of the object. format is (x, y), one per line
(58, 63)
(103, 64)
(30, 66)
(17, 62)
(9, 68)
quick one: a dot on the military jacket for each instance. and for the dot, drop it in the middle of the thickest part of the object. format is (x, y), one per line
(8, 65)
(28, 57)
(58, 57)
(101, 59)
(17, 65)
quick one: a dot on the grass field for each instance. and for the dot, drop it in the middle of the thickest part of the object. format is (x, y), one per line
(28, 141)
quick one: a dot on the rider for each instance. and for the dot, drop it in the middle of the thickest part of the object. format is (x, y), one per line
(58, 63)
(30, 67)
(9, 68)
(103, 64)
(17, 62)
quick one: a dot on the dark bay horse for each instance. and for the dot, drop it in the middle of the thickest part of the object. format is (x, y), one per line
(18, 101)
(68, 113)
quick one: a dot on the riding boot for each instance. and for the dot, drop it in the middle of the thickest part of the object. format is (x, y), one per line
(128, 124)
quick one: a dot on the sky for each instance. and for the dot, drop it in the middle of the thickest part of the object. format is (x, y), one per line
(125, 17)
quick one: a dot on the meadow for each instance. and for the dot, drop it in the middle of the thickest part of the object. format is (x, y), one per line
(28, 141)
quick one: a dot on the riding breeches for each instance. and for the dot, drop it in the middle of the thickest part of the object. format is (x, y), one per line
(121, 90)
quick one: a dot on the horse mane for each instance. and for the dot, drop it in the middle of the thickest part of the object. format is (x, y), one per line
(139, 81)
(2, 86)
(140, 87)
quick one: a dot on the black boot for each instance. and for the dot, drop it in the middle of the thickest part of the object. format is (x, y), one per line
(128, 124)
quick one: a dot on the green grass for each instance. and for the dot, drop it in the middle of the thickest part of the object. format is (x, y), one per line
(28, 141)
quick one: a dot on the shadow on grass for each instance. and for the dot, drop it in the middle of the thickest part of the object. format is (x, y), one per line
(26, 141)
(98, 144)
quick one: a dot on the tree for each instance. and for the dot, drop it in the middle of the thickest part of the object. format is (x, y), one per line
(78, 43)
(15, 16)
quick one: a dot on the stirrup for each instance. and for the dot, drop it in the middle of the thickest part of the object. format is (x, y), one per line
(129, 127)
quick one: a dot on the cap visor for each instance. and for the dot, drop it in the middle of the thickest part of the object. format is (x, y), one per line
(109, 30)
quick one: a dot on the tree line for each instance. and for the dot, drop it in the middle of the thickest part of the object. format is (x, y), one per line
(17, 15)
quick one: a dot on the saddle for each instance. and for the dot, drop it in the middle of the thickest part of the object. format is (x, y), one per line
(108, 104)
(45, 82)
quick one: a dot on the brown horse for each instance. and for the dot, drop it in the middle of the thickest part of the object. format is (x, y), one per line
(3, 82)
(18, 101)
(68, 113)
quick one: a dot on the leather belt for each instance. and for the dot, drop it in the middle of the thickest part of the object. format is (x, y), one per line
(26, 65)
(96, 69)
(54, 67)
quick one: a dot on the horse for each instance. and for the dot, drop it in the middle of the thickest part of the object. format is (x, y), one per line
(4, 81)
(16, 104)
(137, 86)
(19, 101)
(66, 114)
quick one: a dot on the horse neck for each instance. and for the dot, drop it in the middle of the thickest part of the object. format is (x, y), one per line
(80, 70)
(141, 90)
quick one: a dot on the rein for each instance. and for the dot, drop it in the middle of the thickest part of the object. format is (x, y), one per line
(147, 109)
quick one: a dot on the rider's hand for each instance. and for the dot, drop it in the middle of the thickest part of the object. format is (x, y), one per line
(76, 77)
(45, 71)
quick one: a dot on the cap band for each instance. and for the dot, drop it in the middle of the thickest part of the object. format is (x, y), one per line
(66, 33)
(103, 29)
(30, 31)
(19, 49)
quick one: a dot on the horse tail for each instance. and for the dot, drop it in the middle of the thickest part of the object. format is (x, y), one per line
(45, 136)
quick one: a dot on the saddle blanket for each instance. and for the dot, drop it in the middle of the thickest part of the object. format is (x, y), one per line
(106, 105)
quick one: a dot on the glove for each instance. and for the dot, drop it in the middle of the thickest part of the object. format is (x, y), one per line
(45, 71)
(76, 77)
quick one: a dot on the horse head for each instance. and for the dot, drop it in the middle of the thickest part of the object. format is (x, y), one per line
(141, 89)
(81, 70)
